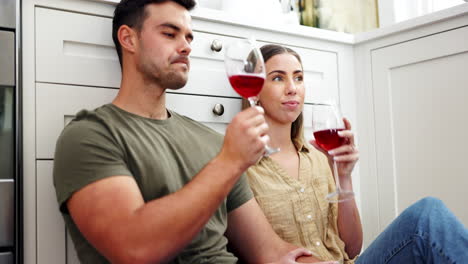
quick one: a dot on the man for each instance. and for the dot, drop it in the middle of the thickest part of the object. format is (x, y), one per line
(137, 183)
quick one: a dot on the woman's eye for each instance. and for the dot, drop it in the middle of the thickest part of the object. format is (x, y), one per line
(299, 78)
(277, 78)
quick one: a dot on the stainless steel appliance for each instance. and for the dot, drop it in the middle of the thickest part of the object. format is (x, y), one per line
(10, 223)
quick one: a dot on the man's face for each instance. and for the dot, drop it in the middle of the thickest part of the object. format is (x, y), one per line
(164, 45)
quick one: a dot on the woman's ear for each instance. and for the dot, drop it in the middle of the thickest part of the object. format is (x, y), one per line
(127, 38)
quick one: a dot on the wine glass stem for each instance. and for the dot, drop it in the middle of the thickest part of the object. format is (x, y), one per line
(337, 178)
(252, 100)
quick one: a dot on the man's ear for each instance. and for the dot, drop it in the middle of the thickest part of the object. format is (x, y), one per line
(127, 38)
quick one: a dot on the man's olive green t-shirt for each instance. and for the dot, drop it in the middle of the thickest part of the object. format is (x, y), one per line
(161, 155)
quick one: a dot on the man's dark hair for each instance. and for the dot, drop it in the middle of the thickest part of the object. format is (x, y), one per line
(132, 13)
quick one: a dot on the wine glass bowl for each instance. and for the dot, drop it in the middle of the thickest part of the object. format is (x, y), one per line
(327, 121)
(245, 69)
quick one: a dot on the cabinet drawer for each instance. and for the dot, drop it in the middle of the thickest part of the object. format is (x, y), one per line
(207, 73)
(53, 115)
(75, 49)
(320, 74)
(85, 54)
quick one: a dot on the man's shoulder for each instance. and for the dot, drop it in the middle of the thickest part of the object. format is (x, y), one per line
(196, 124)
(85, 123)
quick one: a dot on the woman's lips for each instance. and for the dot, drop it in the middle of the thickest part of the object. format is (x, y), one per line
(292, 105)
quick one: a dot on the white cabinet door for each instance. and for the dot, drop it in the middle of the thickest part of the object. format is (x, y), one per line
(56, 105)
(50, 225)
(420, 92)
(75, 49)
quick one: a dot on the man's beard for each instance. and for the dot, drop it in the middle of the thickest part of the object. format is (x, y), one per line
(167, 78)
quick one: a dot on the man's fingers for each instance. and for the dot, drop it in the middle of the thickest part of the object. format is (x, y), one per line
(250, 112)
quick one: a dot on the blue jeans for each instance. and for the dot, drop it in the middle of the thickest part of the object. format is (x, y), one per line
(426, 232)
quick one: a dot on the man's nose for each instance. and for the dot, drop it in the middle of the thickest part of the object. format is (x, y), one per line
(185, 47)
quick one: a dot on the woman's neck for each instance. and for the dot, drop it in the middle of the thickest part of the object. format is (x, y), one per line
(280, 135)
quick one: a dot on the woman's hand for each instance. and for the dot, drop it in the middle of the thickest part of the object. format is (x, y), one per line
(346, 155)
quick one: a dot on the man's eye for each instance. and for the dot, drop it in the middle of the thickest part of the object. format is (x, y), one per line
(169, 35)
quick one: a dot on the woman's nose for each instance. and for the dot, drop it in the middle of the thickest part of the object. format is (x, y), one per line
(291, 87)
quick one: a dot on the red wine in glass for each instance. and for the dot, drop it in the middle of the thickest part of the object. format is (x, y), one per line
(247, 85)
(246, 72)
(326, 123)
(329, 139)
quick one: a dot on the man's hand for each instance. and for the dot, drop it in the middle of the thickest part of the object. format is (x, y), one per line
(291, 257)
(244, 141)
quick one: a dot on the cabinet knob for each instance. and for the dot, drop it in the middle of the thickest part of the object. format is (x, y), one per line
(216, 45)
(218, 109)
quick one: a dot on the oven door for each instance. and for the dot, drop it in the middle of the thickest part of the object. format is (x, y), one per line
(7, 146)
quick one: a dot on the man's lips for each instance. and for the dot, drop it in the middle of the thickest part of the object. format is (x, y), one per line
(181, 60)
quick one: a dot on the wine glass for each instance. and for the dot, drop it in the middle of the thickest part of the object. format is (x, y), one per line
(327, 121)
(246, 72)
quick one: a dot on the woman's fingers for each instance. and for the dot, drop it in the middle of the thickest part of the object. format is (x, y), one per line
(347, 158)
(347, 123)
(344, 149)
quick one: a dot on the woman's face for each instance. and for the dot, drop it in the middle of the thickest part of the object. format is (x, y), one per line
(282, 95)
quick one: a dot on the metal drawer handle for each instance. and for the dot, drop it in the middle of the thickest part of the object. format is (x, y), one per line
(218, 109)
(216, 45)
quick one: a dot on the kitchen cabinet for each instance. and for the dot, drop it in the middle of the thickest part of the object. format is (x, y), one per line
(76, 67)
(51, 232)
(410, 103)
(69, 63)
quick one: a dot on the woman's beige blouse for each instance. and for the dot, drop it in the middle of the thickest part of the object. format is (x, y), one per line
(298, 209)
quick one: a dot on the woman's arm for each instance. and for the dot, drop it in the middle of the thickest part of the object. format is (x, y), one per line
(349, 222)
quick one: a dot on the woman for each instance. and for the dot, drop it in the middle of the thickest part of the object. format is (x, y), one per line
(290, 187)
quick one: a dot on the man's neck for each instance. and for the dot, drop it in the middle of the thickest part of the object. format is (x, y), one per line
(142, 98)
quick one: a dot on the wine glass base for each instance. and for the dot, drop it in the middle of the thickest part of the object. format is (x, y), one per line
(340, 196)
(269, 151)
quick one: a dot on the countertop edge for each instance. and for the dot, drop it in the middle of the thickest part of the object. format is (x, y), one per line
(213, 15)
